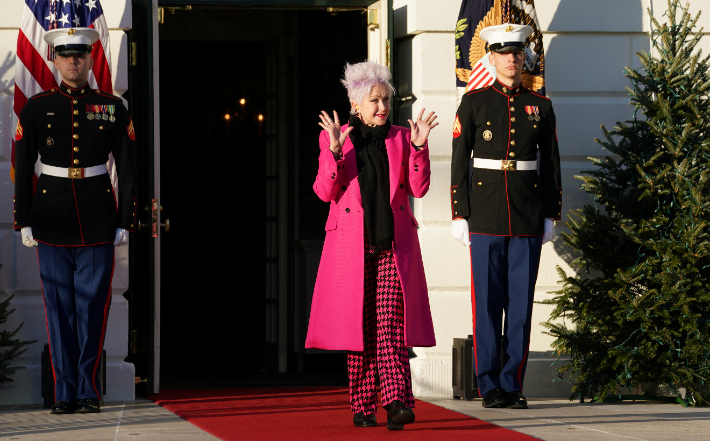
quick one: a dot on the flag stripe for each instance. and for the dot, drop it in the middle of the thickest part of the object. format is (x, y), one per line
(484, 82)
(480, 77)
(101, 54)
(25, 86)
(34, 63)
(476, 74)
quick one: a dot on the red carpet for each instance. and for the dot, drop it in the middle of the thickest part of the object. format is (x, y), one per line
(313, 413)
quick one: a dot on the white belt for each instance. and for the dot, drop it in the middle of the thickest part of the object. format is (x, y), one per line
(504, 164)
(73, 173)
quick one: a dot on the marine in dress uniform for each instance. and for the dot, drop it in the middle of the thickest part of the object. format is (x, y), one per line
(505, 210)
(74, 216)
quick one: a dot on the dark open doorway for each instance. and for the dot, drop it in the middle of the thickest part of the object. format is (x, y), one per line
(215, 165)
(212, 164)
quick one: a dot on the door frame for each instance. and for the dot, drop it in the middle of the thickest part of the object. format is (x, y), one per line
(144, 249)
(144, 99)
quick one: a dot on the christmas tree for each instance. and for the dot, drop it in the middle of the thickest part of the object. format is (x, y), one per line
(639, 311)
(10, 347)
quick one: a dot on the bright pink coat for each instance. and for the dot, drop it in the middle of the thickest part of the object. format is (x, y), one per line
(336, 311)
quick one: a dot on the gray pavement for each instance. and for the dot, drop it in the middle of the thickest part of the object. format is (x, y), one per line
(549, 420)
(564, 420)
(133, 420)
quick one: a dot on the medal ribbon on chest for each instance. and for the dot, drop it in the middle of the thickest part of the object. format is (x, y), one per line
(533, 113)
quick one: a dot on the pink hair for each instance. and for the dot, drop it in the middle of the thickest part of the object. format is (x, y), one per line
(360, 78)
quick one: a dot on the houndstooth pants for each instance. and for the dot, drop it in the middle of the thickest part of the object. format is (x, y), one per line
(385, 360)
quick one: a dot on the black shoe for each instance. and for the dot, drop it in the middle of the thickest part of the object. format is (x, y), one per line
(516, 400)
(63, 407)
(398, 414)
(495, 398)
(88, 405)
(362, 420)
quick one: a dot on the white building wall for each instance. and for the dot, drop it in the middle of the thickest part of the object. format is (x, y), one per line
(587, 46)
(19, 275)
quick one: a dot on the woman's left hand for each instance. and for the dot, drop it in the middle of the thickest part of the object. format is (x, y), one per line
(421, 128)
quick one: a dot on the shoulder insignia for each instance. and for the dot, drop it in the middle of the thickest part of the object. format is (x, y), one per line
(18, 131)
(541, 96)
(477, 90)
(131, 132)
(457, 127)
(45, 93)
(105, 94)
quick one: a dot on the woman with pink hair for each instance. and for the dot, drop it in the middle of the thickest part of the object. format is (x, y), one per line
(371, 295)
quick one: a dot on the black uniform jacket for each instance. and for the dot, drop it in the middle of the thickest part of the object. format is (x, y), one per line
(74, 212)
(494, 123)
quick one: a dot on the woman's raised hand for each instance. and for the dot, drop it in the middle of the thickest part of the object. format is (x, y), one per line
(421, 128)
(332, 126)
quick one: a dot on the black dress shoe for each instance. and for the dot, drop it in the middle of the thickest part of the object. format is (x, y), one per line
(63, 407)
(88, 405)
(398, 414)
(495, 398)
(516, 400)
(362, 420)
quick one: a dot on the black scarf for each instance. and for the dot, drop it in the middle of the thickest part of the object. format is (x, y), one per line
(373, 177)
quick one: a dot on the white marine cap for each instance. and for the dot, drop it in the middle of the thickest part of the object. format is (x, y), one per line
(506, 37)
(72, 41)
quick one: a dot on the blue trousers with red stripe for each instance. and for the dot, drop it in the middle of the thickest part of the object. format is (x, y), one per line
(76, 283)
(504, 272)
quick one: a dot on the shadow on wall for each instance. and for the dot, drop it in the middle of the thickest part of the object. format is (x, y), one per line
(6, 112)
(579, 61)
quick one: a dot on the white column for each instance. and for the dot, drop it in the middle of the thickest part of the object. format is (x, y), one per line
(424, 34)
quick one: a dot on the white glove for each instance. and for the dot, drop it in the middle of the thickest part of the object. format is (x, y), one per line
(549, 231)
(27, 239)
(121, 237)
(459, 229)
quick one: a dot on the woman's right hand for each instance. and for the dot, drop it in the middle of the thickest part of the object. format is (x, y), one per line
(332, 126)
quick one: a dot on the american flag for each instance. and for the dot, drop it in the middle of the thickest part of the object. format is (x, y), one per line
(34, 68)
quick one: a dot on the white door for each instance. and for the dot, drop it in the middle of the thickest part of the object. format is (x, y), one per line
(379, 34)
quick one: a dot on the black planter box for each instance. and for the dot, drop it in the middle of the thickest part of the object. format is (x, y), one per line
(463, 377)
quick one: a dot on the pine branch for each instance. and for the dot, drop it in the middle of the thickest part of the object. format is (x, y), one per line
(10, 346)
